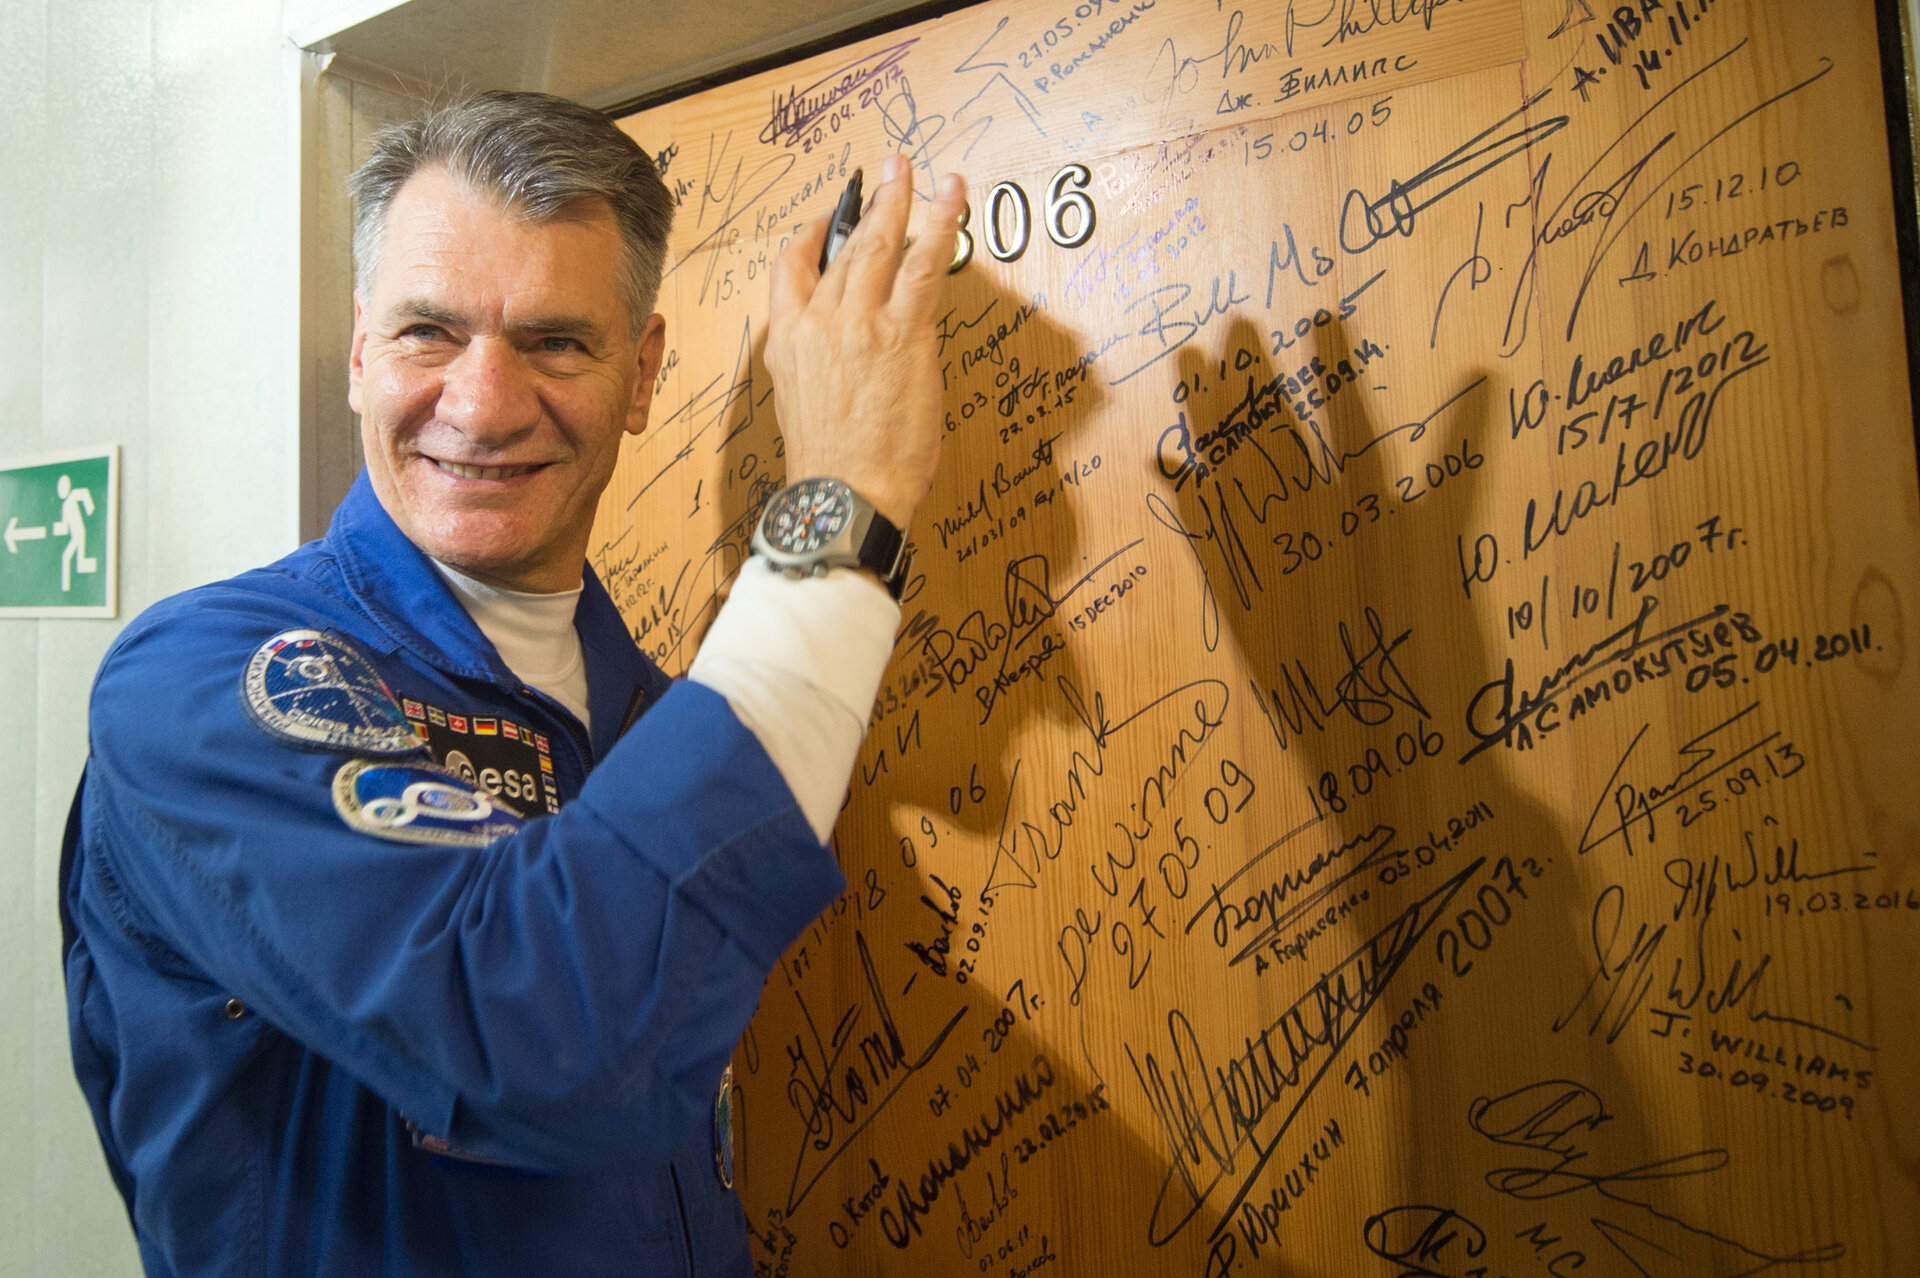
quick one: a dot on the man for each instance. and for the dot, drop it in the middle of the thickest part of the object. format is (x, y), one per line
(411, 915)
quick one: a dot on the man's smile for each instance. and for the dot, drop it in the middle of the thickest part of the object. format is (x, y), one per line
(485, 472)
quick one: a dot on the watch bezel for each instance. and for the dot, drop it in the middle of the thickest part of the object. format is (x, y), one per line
(844, 549)
(842, 495)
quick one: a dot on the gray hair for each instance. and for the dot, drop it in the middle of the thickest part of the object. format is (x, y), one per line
(536, 155)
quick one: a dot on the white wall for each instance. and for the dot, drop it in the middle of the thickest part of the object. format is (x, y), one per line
(148, 271)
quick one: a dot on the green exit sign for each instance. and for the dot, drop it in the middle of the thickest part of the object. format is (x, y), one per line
(59, 535)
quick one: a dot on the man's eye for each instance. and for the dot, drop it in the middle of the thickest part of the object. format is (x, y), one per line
(560, 345)
(423, 332)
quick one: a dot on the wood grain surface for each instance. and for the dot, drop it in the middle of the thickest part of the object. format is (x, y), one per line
(1400, 754)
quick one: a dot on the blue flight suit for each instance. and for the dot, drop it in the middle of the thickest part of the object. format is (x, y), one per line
(310, 1049)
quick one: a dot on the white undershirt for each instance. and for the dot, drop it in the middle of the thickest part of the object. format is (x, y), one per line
(798, 660)
(533, 634)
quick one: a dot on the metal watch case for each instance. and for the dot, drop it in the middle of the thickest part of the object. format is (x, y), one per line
(816, 524)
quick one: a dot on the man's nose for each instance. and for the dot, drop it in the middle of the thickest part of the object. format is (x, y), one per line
(489, 393)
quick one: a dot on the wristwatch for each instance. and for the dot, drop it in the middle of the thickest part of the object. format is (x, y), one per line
(821, 523)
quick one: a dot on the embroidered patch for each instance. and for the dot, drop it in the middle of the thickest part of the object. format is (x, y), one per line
(506, 759)
(318, 690)
(415, 803)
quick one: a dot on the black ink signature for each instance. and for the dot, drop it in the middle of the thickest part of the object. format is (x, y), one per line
(948, 328)
(1020, 99)
(1510, 710)
(915, 1197)
(1568, 21)
(1233, 56)
(883, 1058)
(1171, 329)
(1621, 975)
(710, 406)
(916, 134)
(1028, 603)
(1624, 976)
(1477, 268)
(1634, 804)
(1204, 714)
(1368, 690)
(1210, 1116)
(1554, 1119)
(1603, 206)
(1169, 518)
(1394, 212)
(1415, 1237)
(734, 203)
(1323, 462)
(796, 109)
(1355, 18)
(1270, 908)
(1700, 882)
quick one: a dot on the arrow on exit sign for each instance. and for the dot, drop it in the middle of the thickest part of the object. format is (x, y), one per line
(15, 533)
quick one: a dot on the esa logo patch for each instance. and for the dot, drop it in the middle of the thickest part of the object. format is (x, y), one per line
(316, 689)
(505, 758)
(418, 803)
(516, 785)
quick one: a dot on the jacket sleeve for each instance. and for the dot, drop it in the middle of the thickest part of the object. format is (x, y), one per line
(564, 998)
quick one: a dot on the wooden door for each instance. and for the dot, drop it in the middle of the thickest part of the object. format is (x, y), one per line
(1399, 758)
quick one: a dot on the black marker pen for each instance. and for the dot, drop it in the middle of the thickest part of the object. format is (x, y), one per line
(846, 216)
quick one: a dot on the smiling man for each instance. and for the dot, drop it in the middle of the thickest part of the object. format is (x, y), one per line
(494, 397)
(411, 914)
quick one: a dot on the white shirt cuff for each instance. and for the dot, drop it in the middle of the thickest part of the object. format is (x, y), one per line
(800, 661)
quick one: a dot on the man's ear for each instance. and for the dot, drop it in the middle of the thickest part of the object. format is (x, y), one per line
(653, 349)
(355, 352)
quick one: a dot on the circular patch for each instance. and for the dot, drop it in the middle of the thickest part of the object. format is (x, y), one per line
(318, 690)
(416, 803)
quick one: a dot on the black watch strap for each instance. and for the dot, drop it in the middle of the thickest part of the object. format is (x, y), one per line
(885, 551)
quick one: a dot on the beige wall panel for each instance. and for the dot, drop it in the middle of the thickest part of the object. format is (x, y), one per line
(1399, 757)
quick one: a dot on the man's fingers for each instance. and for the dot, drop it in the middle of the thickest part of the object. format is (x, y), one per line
(796, 274)
(916, 290)
(873, 254)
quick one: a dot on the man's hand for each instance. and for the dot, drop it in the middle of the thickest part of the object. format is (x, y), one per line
(853, 356)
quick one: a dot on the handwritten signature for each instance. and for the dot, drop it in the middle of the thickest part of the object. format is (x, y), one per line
(1210, 1115)
(835, 1105)
(1557, 1121)
(1636, 804)
(1606, 207)
(1365, 222)
(1028, 603)
(796, 110)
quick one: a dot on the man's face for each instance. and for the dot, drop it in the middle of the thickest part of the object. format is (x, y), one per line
(494, 371)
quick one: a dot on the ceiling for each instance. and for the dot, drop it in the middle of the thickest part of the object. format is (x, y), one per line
(606, 53)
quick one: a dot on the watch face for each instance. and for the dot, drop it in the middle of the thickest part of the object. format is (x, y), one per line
(808, 515)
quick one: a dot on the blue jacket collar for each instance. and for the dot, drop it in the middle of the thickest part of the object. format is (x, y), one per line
(395, 583)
